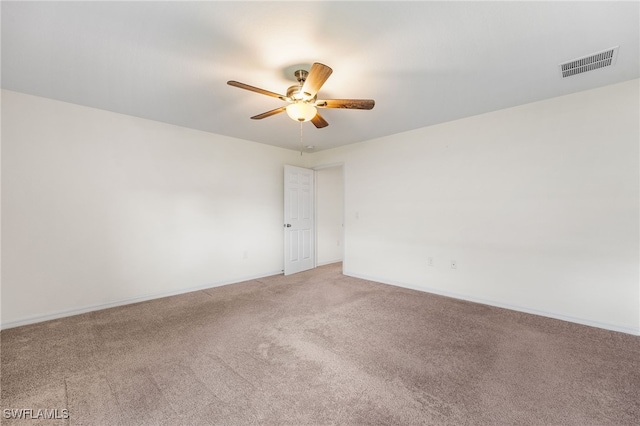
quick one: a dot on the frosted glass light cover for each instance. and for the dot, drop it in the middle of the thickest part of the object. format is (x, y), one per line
(301, 111)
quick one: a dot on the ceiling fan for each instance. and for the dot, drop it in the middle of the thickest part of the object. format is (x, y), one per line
(303, 97)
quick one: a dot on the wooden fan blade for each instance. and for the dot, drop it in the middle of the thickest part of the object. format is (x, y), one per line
(268, 113)
(319, 122)
(346, 103)
(255, 89)
(318, 74)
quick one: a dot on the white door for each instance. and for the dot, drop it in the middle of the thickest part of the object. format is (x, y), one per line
(299, 220)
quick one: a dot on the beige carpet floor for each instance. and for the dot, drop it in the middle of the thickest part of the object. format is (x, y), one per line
(319, 348)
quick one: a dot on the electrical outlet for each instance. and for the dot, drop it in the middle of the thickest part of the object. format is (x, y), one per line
(430, 261)
(454, 264)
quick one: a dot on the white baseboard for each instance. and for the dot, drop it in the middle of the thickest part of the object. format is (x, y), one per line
(98, 307)
(330, 262)
(582, 321)
(92, 308)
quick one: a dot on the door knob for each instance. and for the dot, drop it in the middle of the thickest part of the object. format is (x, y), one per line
(288, 225)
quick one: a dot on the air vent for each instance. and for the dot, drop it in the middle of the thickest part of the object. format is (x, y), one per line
(591, 62)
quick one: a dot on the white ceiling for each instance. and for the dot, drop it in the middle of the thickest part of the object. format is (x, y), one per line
(423, 62)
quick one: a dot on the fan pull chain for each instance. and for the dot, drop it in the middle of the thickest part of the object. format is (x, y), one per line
(301, 145)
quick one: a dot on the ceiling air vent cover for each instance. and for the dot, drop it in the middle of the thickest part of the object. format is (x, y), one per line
(591, 62)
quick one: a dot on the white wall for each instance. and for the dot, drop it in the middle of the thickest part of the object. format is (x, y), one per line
(329, 217)
(100, 208)
(538, 205)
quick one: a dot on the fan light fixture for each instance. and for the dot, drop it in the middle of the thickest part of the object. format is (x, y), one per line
(301, 111)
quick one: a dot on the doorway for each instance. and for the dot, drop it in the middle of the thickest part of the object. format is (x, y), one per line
(329, 214)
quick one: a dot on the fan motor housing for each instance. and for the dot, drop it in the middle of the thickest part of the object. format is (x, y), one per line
(295, 93)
